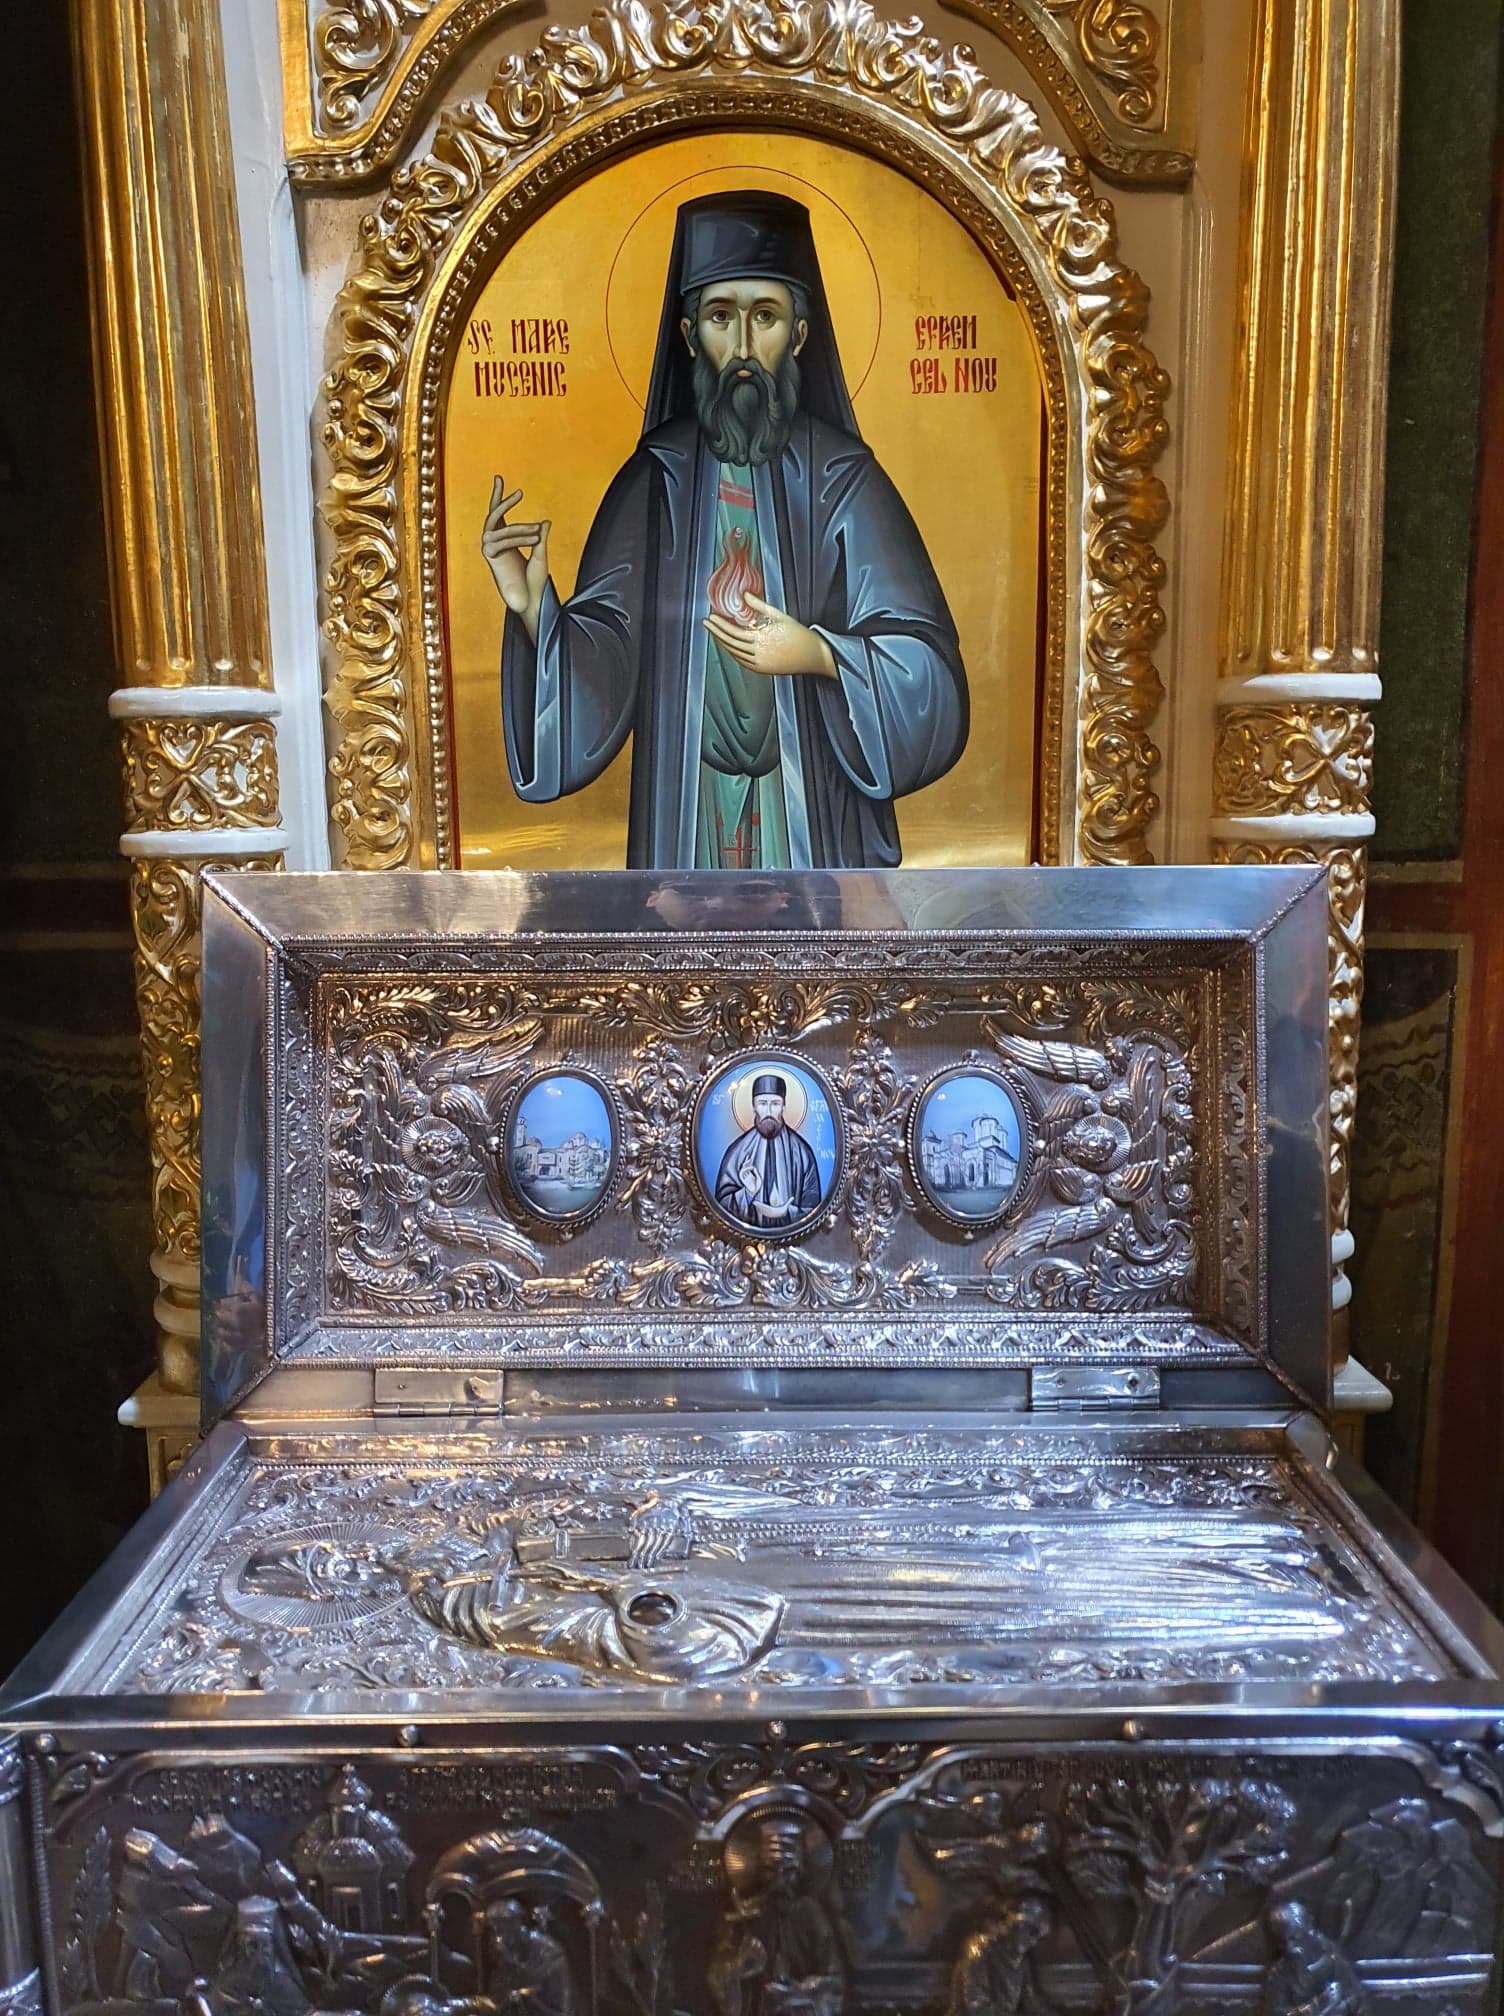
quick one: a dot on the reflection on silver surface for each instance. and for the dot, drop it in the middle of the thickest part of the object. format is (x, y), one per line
(1134, 1034)
(786, 1558)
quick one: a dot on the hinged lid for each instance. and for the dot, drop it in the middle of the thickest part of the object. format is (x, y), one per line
(1081, 1389)
(1063, 1126)
(415, 1392)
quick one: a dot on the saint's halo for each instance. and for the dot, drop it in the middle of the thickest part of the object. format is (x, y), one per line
(796, 1100)
(634, 287)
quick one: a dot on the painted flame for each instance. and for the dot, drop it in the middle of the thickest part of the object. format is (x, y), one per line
(737, 577)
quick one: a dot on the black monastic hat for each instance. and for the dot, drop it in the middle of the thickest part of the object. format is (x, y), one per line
(742, 235)
(769, 1086)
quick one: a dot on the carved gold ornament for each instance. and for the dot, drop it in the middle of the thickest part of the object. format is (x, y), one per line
(1304, 542)
(164, 919)
(196, 774)
(357, 75)
(1312, 757)
(644, 69)
(1103, 63)
(211, 780)
(182, 494)
(164, 903)
(356, 46)
(1119, 44)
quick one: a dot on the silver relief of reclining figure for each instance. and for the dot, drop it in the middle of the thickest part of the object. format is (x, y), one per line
(668, 1625)
(781, 1572)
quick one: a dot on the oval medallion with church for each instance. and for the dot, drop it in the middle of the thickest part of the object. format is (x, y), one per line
(969, 1144)
(561, 1145)
(767, 1144)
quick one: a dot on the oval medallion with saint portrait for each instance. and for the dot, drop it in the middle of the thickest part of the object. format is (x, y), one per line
(968, 1144)
(767, 1144)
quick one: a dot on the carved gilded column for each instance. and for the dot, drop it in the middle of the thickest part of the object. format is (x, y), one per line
(1294, 747)
(182, 498)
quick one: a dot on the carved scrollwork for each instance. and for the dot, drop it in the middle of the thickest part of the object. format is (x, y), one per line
(1314, 756)
(846, 1777)
(405, 1168)
(191, 774)
(417, 1220)
(877, 1100)
(373, 63)
(212, 776)
(739, 1015)
(656, 1094)
(1112, 1174)
(1101, 62)
(721, 1276)
(1119, 42)
(845, 64)
(70, 1778)
(357, 45)
(1478, 1763)
(1238, 1199)
(358, 76)
(164, 907)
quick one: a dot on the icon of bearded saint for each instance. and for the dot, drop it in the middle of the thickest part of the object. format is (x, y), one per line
(755, 606)
(769, 1177)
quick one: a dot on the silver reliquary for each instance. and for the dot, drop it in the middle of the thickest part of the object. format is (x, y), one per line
(766, 1458)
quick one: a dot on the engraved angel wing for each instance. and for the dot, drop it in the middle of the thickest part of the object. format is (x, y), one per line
(478, 1057)
(1061, 1228)
(1046, 1165)
(372, 1158)
(1069, 1063)
(1133, 1183)
(482, 1234)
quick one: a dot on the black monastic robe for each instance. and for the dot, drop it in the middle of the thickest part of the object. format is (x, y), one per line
(626, 654)
(787, 1179)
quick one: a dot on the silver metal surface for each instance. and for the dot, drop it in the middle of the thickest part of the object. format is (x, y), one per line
(611, 1611)
(772, 1874)
(397, 1026)
(792, 1559)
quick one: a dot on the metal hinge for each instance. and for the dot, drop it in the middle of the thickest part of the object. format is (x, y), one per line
(399, 1392)
(1074, 1388)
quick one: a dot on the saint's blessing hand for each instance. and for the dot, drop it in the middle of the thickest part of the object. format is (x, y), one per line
(520, 575)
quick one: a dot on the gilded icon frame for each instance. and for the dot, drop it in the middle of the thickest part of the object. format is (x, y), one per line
(1320, 86)
(637, 74)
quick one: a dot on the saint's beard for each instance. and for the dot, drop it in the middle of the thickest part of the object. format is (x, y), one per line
(767, 1127)
(746, 420)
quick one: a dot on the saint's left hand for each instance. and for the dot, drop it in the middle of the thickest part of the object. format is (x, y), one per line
(776, 643)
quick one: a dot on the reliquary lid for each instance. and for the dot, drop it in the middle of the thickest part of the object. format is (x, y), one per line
(1044, 1137)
